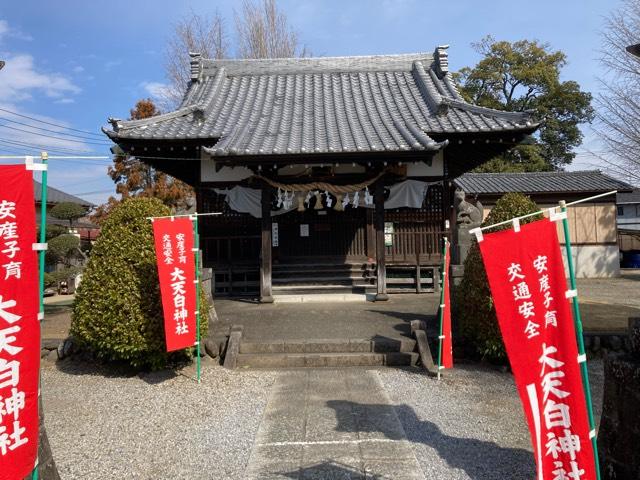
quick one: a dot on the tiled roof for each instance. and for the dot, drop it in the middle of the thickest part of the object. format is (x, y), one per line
(539, 182)
(629, 197)
(321, 105)
(58, 196)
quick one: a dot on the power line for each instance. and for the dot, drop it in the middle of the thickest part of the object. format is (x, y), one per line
(34, 151)
(14, 147)
(52, 124)
(39, 147)
(112, 190)
(45, 129)
(42, 146)
(4, 148)
(53, 136)
(150, 157)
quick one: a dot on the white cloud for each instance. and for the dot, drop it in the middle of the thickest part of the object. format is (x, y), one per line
(78, 69)
(20, 79)
(65, 100)
(10, 32)
(110, 65)
(4, 28)
(157, 90)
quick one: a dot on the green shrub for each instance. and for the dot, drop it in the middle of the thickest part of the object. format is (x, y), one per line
(477, 315)
(62, 274)
(53, 231)
(61, 248)
(68, 211)
(118, 312)
(49, 280)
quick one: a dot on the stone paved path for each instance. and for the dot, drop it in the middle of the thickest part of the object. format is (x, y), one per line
(331, 424)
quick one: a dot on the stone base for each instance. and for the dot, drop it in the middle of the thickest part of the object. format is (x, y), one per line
(266, 299)
(381, 297)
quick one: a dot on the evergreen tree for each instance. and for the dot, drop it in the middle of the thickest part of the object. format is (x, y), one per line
(525, 76)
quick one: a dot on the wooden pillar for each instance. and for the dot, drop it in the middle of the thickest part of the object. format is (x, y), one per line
(266, 295)
(371, 234)
(378, 223)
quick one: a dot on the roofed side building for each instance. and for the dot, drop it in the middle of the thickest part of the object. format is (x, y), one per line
(593, 228)
(87, 230)
(257, 138)
(628, 205)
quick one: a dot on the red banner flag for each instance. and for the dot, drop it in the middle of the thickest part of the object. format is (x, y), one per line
(174, 244)
(447, 341)
(19, 325)
(529, 289)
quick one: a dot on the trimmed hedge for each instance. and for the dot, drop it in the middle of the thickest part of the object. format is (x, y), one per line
(118, 312)
(477, 315)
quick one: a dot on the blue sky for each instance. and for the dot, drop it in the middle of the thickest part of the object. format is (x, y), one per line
(77, 62)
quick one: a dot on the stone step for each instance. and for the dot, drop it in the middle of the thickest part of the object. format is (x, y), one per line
(315, 360)
(322, 288)
(321, 268)
(330, 345)
(323, 297)
(320, 264)
(311, 279)
(323, 276)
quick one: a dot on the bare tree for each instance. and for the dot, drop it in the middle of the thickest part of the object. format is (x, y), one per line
(264, 32)
(618, 115)
(195, 33)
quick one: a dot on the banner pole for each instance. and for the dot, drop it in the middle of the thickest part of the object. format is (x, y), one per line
(442, 277)
(41, 254)
(578, 327)
(197, 259)
(43, 229)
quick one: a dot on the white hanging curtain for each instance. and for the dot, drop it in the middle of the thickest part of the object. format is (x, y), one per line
(409, 193)
(248, 200)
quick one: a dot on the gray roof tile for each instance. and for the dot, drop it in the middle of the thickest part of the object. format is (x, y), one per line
(629, 197)
(58, 196)
(321, 105)
(539, 182)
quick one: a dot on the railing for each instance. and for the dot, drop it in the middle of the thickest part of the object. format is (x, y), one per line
(414, 247)
(411, 256)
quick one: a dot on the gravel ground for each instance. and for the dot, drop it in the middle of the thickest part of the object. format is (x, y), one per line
(104, 424)
(614, 291)
(107, 425)
(470, 424)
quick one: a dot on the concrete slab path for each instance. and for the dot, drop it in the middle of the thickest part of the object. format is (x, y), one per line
(263, 323)
(331, 424)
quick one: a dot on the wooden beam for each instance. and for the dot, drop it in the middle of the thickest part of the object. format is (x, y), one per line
(378, 222)
(266, 295)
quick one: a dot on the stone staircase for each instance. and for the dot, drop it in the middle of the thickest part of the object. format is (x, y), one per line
(297, 281)
(379, 351)
(326, 276)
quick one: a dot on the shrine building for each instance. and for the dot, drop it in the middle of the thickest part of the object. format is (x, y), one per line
(330, 173)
